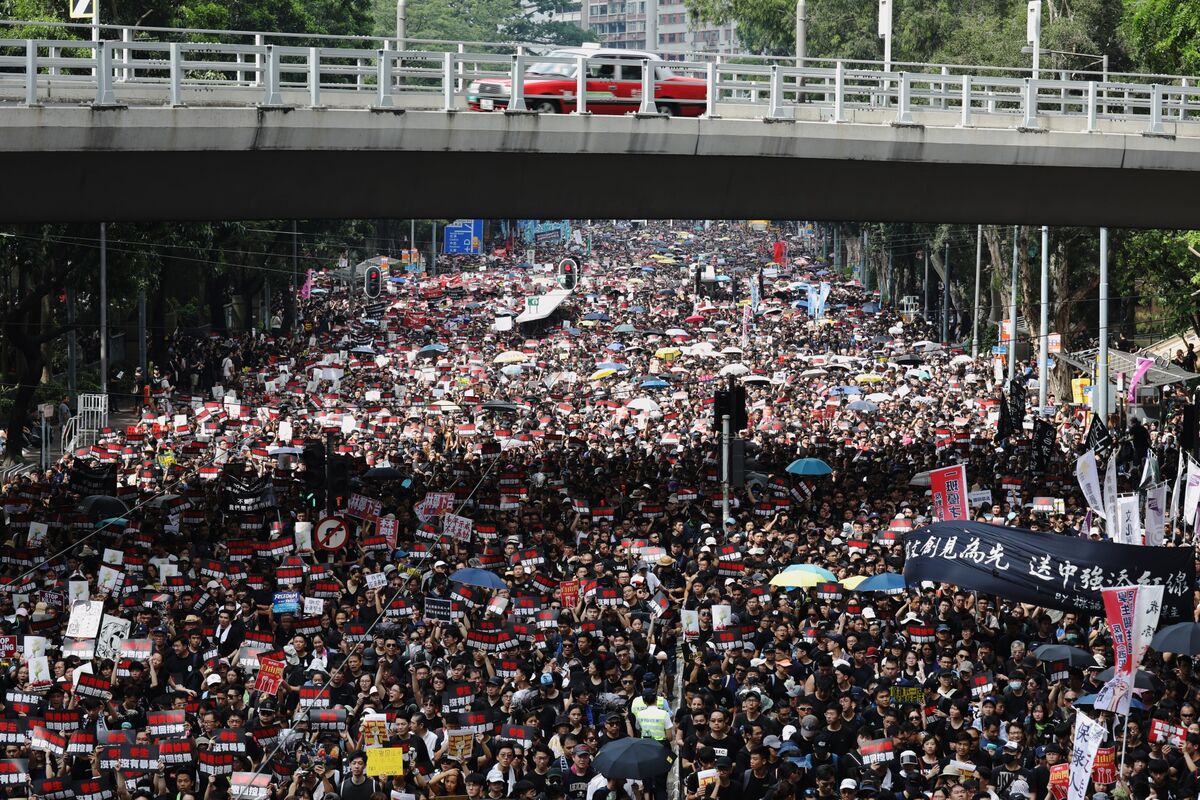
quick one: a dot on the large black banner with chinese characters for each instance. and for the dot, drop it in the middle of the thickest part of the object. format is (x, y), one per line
(1050, 570)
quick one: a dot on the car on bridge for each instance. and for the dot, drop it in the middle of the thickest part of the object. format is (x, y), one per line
(614, 85)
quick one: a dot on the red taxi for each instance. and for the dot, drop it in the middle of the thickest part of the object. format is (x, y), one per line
(612, 88)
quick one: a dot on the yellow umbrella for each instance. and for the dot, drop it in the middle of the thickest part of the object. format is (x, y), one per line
(867, 377)
(797, 579)
(667, 352)
(601, 374)
(853, 581)
(510, 357)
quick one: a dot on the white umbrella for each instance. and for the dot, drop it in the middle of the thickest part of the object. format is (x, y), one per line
(963, 359)
(677, 332)
(734, 369)
(878, 397)
(643, 404)
(813, 373)
(732, 351)
(756, 379)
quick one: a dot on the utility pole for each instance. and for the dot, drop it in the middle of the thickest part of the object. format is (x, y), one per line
(1100, 392)
(801, 32)
(1044, 324)
(295, 287)
(975, 310)
(1012, 311)
(433, 249)
(104, 309)
(946, 298)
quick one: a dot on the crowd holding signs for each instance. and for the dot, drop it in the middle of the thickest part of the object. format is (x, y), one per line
(413, 550)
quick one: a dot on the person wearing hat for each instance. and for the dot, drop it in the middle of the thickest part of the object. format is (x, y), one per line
(1009, 769)
(579, 775)
(497, 785)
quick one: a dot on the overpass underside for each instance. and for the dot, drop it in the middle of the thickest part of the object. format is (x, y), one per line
(85, 164)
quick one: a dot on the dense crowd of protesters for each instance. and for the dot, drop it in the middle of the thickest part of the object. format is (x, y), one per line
(588, 465)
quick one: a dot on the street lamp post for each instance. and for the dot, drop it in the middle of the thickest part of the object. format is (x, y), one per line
(401, 23)
(885, 32)
(1033, 32)
(801, 32)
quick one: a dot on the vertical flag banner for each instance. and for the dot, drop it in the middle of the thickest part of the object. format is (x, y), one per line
(1192, 492)
(1088, 475)
(1156, 514)
(1088, 736)
(1132, 613)
(949, 488)
(1143, 366)
(1110, 497)
(1129, 523)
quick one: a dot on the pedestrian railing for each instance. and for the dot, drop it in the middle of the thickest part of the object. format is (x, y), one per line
(177, 73)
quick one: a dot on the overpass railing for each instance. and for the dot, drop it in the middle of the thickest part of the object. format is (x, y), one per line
(147, 73)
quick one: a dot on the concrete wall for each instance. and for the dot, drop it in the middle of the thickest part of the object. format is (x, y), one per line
(79, 163)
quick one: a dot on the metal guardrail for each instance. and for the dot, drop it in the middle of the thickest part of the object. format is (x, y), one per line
(149, 73)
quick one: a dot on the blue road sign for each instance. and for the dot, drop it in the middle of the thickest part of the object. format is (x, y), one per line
(464, 237)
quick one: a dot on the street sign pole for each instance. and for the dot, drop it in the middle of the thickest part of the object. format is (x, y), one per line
(1100, 393)
(1044, 323)
(104, 309)
(724, 469)
(1012, 312)
(975, 309)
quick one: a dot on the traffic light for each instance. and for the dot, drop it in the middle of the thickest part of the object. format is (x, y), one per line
(339, 481)
(373, 281)
(568, 274)
(313, 459)
(730, 401)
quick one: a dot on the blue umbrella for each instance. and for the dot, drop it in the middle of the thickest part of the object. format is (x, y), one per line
(115, 522)
(863, 405)
(624, 328)
(871, 308)
(479, 577)
(596, 316)
(654, 383)
(845, 390)
(886, 582)
(613, 365)
(637, 309)
(824, 573)
(809, 466)
(433, 348)
(616, 347)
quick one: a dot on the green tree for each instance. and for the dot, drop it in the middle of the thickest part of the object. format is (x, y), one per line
(1164, 35)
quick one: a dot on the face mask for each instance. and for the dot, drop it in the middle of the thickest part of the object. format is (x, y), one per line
(1014, 685)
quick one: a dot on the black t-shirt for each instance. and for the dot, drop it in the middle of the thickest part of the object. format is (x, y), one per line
(727, 747)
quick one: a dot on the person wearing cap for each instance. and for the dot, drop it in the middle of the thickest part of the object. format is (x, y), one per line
(579, 775)
(653, 722)
(1008, 770)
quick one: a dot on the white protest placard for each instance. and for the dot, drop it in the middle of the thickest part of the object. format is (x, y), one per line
(303, 532)
(376, 580)
(111, 556)
(34, 646)
(458, 527)
(982, 497)
(722, 616)
(112, 631)
(37, 534)
(285, 431)
(314, 606)
(78, 591)
(85, 619)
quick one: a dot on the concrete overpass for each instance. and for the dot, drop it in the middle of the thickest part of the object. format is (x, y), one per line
(139, 140)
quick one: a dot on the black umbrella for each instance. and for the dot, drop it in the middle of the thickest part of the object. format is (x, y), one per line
(1061, 652)
(1183, 637)
(1141, 679)
(103, 506)
(633, 758)
(384, 474)
(499, 405)
(907, 359)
